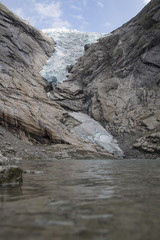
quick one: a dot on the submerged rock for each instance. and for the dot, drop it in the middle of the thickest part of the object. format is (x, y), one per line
(10, 175)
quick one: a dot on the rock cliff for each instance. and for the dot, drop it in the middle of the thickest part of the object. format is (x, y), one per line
(117, 82)
(24, 106)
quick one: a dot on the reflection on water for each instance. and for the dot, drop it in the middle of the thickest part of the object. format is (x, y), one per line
(103, 199)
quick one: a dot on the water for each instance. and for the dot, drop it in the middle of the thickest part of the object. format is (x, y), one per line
(84, 199)
(69, 48)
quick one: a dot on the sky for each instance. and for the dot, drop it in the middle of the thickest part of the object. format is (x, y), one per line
(101, 16)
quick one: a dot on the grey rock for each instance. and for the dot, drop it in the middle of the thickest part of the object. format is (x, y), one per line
(117, 81)
(149, 143)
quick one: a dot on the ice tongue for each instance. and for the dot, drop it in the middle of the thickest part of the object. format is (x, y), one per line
(69, 47)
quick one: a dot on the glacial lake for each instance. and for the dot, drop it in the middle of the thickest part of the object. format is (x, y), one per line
(83, 199)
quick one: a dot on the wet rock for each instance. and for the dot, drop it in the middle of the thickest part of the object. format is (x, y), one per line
(10, 175)
(149, 143)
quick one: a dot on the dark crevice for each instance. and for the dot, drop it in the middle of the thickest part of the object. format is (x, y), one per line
(150, 64)
(14, 125)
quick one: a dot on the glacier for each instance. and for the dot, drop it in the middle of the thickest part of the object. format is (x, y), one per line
(69, 48)
(91, 130)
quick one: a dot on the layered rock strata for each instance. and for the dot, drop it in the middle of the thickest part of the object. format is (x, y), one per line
(117, 82)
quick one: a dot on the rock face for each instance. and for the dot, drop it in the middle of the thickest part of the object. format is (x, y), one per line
(117, 82)
(24, 105)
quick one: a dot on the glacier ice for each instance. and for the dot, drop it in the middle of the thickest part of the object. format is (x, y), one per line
(69, 47)
(91, 130)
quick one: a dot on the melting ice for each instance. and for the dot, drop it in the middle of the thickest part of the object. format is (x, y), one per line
(92, 131)
(69, 47)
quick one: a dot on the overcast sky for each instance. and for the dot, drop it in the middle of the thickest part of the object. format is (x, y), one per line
(84, 15)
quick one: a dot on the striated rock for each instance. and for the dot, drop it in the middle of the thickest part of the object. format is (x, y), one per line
(90, 151)
(24, 51)
(24, 105)
(30, 151)
(117, 81)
